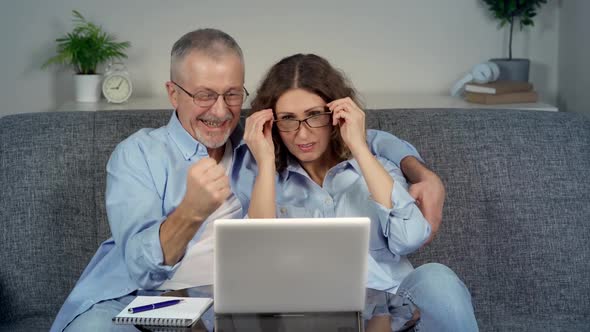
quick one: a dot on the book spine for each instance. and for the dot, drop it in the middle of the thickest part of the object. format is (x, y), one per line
(518, 97)
(176, 322)
(499, 88)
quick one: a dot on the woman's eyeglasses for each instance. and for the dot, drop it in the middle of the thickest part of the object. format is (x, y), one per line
(313, 121)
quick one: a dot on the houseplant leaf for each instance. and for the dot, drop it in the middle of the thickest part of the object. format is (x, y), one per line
(86, 47)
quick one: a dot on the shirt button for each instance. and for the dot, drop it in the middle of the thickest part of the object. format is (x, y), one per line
(283, 211)
(328, 201)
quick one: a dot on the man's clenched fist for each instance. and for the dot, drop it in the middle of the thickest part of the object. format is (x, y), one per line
(207, 187)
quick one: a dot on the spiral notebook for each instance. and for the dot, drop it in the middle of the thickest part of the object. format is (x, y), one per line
(184, 313)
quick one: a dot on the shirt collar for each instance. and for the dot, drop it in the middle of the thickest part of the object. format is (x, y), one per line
(236, 137)
(294, 166)
(354, 164)
(188, 145)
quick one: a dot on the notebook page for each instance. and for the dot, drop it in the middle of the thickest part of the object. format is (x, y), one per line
(184, 313)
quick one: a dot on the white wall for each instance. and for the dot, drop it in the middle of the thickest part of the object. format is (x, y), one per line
(387, 46)
(574, 52)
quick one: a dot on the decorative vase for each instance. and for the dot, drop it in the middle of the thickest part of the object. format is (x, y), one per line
(88, 88)
(513, 69)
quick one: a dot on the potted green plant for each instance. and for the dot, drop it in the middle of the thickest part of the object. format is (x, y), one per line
(84, 49)
(509, 12)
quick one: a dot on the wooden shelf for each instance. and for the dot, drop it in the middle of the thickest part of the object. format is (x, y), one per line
(371, 101)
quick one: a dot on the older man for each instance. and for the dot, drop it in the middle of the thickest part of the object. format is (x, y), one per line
(165, 186)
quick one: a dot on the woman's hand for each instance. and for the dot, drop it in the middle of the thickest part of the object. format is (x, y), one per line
(258, 136)
(351, 119)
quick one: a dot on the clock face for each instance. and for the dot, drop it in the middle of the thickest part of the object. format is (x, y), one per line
(116, 88)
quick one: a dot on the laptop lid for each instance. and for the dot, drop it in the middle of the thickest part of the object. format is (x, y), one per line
(290, 265)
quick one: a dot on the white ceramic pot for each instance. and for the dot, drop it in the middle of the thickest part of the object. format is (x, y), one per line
(88, 88)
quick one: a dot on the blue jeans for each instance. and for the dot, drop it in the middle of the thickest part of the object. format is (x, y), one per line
(435, 290)
(99, 317)
(439, 295)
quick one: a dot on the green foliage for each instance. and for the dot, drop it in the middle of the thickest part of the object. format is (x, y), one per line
(86, 47)
(507, 11)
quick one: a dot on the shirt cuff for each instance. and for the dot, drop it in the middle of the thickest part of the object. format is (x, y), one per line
(392, 148)
(402, 201)
(403, 207)
(153, 257)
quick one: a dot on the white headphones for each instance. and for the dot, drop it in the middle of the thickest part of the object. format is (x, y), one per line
(480, 73)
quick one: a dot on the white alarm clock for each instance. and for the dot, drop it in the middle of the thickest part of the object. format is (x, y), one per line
(116, 85)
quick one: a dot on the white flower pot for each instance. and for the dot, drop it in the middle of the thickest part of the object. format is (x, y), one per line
(88, 88)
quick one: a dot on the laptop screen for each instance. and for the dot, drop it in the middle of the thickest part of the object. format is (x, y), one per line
(290, 265)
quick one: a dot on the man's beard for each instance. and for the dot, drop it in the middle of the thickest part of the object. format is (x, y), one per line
(214, 142)
(218, 139)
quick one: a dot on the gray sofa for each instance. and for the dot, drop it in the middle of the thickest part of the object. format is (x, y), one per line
(516, 220)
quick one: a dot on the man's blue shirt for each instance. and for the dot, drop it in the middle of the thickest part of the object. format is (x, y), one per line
(146, 181)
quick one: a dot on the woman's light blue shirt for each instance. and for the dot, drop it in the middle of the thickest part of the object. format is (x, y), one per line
(395, 232)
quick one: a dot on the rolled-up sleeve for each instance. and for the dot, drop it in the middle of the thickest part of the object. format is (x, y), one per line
(385, 145)
(403, 225)
(135, 213)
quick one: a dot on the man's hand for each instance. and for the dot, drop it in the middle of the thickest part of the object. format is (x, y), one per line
(207, 187)
(429, 194)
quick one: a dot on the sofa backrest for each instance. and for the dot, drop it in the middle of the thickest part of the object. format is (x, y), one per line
(52, 201)
(515, 223)
(516, 220)
(46, 208)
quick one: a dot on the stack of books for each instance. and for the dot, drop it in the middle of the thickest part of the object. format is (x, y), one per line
(500, 92)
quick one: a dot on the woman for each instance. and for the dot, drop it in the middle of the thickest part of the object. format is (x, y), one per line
(307, 136)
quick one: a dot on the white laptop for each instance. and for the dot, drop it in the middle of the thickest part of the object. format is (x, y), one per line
(290, 265)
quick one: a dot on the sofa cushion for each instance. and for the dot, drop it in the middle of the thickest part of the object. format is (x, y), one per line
(46, 208)
(27, 324)
(555, 323)
(516, 217)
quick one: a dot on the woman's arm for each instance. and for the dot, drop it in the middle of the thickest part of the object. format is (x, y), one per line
(379, 182)
(258, 137)
(404, 225)
(425, 186)
(351, 120)
(262, 203)
(402, 222)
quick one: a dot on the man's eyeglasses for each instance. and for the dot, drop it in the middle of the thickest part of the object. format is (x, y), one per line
(206, 98)
(313, 121)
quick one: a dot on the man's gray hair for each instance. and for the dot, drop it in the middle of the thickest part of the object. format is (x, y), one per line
(211, 42)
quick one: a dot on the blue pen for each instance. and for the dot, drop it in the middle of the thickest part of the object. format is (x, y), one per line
(153, 306)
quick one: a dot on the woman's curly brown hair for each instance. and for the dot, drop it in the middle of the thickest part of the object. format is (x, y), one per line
(313, 74)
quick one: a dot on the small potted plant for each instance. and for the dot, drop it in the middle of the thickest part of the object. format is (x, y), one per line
(85, 48)
(509, 12)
